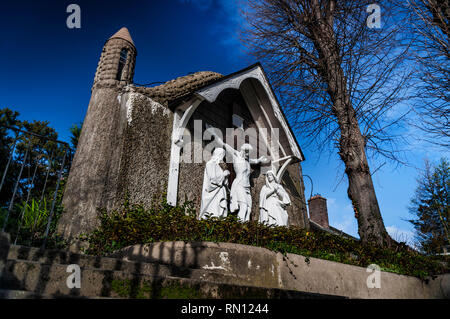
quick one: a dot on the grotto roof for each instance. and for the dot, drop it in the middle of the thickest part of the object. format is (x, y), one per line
(207, 85)
(179, 87)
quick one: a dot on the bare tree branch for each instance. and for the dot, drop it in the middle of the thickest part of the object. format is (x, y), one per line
(429, 23)
(340, 83)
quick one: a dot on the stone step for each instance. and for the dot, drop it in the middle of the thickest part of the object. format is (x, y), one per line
(53, 256)
(50, 257)
(23, 294)
(50, 280)
(18, 294)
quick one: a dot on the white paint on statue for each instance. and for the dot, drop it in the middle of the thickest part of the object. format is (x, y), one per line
(241, 199)
(273, 200)
(214, 194)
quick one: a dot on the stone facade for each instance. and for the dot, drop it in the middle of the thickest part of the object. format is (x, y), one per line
(94, 174)
(127, 135)
(146, 152)
(107, 69)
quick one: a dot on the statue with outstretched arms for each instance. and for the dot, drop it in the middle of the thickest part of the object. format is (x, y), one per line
(241, 199)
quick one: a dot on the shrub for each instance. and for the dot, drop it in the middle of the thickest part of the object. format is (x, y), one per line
(27, 223)
(133, 224)
(35, 214)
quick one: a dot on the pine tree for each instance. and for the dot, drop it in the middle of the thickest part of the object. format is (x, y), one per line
(431, 208)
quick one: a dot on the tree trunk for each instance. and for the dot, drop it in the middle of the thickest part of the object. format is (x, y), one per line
(360, 186)
(352, 144)
(352, 152)
(361, 190)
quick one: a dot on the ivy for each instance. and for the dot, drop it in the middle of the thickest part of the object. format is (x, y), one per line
(133, 224)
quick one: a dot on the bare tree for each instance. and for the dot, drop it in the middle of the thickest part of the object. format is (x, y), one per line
(429, 20)
(339, 82)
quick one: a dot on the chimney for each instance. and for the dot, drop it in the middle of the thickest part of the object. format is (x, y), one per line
(318, 211)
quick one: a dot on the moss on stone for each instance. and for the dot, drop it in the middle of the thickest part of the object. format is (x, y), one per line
(157, 290)
(178, 291)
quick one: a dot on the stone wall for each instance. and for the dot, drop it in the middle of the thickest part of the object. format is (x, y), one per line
(94, 174)
(292, 182)
(108, 64)
(145, 159)
(256, 266)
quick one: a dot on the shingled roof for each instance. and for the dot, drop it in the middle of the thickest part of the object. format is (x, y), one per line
(179, 87)
(123, 34)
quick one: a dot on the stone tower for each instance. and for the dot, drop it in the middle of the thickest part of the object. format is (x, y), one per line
(116, 65)
(94, 173)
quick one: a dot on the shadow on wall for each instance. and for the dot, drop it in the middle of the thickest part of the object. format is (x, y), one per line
(166, 260)
(44, 273)
(71, 222)
(38, 270)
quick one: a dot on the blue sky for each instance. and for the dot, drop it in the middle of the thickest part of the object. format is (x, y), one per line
(48, 69)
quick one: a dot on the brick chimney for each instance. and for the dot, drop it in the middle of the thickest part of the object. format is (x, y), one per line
(318, 211)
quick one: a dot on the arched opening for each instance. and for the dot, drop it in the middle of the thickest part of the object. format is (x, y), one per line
(122, 62)
(258, 100)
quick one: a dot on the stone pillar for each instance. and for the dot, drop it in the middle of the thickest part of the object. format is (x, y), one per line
(318, 211)
(94, 175)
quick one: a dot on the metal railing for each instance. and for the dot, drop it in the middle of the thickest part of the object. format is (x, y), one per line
(35, 167)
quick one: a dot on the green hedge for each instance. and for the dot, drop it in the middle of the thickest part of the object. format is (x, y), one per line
(133, 224)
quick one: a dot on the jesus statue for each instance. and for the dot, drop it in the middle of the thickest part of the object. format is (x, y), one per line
(240, 196)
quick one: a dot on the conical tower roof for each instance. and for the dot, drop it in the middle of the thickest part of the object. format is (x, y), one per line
(123, 34)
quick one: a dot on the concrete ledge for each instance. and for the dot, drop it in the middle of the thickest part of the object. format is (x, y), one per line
(18, 294)
(51, 257)
(249, 265)
(50, 281)
(22, 294)
(217, 270)
(261, 267)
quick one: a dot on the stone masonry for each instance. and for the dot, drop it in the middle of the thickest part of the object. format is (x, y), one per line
(125, 144)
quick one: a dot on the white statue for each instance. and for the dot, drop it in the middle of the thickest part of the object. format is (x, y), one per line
(241, 199)
(273, 200)
(214, 194)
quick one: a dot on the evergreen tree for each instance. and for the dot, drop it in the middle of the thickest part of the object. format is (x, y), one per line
(75, 131)
(431, 208)
(31, 157)
(8, 118)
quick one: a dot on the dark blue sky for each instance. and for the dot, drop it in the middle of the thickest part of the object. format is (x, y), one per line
(48, 68)
(47, 72)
